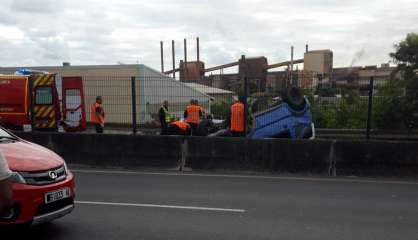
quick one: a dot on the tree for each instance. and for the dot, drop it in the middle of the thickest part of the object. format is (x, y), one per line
(348, 112)
(326, 91)
(395, 106)
(388, 112)
(221, 109)
(406, 56)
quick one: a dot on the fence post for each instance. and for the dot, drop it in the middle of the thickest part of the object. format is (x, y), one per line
(243, 65)
(369, 110)
(133, 87)
(245, 105)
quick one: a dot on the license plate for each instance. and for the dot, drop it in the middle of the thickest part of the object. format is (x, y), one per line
(57, 195)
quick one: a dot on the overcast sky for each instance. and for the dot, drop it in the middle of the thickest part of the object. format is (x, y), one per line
(48, 32)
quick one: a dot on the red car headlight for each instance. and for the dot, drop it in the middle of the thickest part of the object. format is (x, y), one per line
(17, 178)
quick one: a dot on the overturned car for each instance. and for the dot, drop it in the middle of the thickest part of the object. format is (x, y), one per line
(289, 117)
(292, 118)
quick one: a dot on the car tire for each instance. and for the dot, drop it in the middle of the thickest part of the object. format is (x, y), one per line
(293, 96)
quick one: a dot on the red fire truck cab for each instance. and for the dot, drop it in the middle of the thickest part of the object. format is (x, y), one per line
(33, 101)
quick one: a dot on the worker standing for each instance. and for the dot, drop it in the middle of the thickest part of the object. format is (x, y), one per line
(6, 198)
(192, 115)
(236, 119)
(165, 117)
(98, 115)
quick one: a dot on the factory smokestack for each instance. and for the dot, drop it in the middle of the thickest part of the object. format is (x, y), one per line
(185, 54)
(174, 58)
(291, 65)
(197, 49)
(162, 56)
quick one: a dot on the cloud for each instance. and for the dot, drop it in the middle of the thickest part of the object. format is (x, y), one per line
(36, 7)
(47, 32)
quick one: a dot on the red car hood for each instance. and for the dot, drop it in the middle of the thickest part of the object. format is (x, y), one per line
(29, 157)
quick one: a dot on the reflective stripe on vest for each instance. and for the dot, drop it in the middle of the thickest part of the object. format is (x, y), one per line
(94, 118)
(237, 117)
(167, 115)
(193, 115)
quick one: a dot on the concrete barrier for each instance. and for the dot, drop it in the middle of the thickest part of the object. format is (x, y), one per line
(262, 155)
(111, 150)
(325, 157)
(376, 158)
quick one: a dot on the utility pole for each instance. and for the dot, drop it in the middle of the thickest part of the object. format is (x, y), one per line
(174, 59)
(291, 66)
(162, 56)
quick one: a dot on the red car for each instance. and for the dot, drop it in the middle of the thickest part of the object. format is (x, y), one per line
(43, 187)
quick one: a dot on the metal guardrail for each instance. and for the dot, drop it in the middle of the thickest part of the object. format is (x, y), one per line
(410, 135)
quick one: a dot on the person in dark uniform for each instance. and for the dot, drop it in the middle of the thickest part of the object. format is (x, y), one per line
(165, 117)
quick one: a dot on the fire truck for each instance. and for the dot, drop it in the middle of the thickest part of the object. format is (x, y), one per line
(42, 101)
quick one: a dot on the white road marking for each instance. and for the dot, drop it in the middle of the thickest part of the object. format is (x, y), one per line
(162, 206)
(318, 179)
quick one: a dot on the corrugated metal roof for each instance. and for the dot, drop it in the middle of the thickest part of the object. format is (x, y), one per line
(208, 90)
(72, 67)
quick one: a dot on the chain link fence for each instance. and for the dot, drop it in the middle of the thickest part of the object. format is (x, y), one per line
(370, 107)
(339, 108)
(127, 110)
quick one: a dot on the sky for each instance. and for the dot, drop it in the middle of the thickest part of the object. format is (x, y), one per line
(88, 32)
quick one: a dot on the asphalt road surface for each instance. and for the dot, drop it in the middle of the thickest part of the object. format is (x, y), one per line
(115, 205)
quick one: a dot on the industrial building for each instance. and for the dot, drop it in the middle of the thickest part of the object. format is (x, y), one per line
(360, 76)
(318, 65)
(113, 82)
(317, 70)
(355, 76)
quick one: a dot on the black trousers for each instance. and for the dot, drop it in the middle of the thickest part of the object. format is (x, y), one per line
(99, 128)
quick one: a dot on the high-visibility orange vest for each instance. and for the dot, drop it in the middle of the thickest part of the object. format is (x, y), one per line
(237, 117)
(182, 125)
(94, 118)
(193, 114)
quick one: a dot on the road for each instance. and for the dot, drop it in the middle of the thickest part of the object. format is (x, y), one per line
(141, 205)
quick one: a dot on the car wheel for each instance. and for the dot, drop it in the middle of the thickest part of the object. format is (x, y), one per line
(293, 96)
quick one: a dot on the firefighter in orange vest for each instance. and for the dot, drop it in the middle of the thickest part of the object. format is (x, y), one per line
(236, 119)
(178, 128)
(98, 115)
(193, 114)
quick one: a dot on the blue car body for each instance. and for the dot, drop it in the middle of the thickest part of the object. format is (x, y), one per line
(281, 121)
